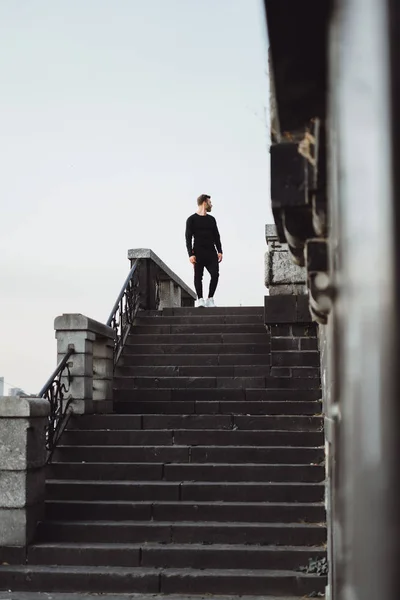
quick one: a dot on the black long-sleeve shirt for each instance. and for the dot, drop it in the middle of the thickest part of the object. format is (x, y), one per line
(205, 232)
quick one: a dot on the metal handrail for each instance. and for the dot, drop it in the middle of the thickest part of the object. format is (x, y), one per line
(57, 370)
(124, 310)
(122, 292)
(55, 390)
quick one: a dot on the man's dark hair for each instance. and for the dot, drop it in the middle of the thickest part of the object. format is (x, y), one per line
(203, 198)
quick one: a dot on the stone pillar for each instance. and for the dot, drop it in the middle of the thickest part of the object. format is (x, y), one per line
(103, 373)
(282, 276)
(91, 365)
(170, 295)
(22, 467)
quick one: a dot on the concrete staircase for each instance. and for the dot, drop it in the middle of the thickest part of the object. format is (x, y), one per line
(207, 479)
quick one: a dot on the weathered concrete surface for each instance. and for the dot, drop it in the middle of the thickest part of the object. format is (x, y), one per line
(19, 524)
(82, 341)
(22, 473)
(282, 276)
(15, 453)
(284, 270)
(14, 406)
(102, 389)
(103, 368)
(21, 488)
(170, 294)
(78, 322)
(81, 363)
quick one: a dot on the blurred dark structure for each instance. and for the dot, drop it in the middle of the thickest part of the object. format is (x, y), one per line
(335, 182)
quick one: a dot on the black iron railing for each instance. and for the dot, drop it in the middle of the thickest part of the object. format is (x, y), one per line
(56, 391)
(125, 309)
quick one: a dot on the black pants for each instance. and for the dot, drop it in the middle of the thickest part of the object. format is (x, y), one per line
(210, 262)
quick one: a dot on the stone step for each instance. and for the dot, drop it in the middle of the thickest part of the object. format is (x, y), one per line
(240, 582)
(152, 581)
(199, 319)
(112, 510)
(216, 349)
(193, 437)
(123, 381)
(186, 472)
(280, 534)
(84, 579)
(116, 422)
(104, 437)
(235, 407)
(185, 454)
(193, 337)
(122, 596)
(127, 383)
(295, 374)
(203, 491)
(154, 327)
(196, 359)
(216, 311)
(215, 394)
(175, 556)
(194, 371)
(245, 473)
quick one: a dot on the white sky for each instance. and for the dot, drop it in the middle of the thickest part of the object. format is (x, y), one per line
(114, 116)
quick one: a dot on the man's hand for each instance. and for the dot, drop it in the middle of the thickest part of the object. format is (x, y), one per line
(192, 260)
(219, 257)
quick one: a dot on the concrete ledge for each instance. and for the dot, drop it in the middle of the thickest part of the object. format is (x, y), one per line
(15, 407)
(78, 322)
(136, 253)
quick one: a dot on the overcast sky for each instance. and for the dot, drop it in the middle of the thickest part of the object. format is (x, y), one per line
(114, 116)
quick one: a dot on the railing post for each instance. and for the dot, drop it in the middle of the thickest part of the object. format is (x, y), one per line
(150, 284)
(73, 331)
(22, 468)
(91, 364)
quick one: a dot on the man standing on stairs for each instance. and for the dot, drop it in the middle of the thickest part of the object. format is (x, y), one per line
(203, 244)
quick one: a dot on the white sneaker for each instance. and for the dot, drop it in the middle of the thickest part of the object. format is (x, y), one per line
(200, 303)
(210, 303)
